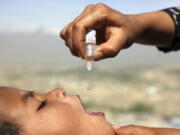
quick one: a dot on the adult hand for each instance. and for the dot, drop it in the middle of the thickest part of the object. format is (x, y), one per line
(114, 31)
(133, 130)
(140, 130)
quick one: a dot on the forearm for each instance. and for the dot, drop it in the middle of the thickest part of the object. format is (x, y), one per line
(141, 130)
(155, 28)
(116, 31)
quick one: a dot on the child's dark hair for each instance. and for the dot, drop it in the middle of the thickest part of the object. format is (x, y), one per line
(8, 127)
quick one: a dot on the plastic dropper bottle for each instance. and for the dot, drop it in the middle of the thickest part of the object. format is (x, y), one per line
(90, 47)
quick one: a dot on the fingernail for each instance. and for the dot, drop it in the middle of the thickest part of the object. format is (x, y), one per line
(97, 55)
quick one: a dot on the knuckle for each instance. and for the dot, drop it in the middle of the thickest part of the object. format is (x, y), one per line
(67, 43)
(68, 32)
(102, 10)
(75, 47)
(89, 6)
(62, 34)
(77, 26)
(101, 5)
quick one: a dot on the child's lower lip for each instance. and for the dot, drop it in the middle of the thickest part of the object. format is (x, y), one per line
(96, 113)
(101, 114)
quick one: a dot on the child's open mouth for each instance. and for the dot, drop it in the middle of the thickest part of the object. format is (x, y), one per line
(101, 114)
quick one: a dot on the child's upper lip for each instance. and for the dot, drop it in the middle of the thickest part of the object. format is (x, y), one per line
(96, 114)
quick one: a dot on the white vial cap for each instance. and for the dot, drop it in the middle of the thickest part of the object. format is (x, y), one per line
(91, 37)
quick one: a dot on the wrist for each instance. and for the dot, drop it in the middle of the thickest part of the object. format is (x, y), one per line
(155, 28)
(137, 26)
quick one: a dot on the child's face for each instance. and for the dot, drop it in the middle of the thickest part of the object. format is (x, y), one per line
(53, 113)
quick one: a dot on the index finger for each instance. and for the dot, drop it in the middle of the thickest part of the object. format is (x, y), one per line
(80, 29)
(63, 31)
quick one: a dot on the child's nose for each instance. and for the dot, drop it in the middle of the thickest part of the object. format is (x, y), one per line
(59, 92)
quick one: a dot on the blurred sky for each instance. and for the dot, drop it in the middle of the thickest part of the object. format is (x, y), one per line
(51, 15)
(54, 14)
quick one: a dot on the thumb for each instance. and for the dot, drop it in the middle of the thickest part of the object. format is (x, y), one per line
(110, 48)
(104, 51)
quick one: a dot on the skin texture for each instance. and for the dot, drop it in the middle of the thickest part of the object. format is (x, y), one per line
(140, 130)
(59, 114)
(117, 31)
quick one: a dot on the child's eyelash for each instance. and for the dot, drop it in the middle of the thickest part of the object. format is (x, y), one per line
(43, 103)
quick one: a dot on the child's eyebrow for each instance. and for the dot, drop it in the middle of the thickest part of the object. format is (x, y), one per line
(26, 95)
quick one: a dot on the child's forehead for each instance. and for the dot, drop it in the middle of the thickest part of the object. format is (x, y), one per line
(10, 90)
(10, 94)
(10, 99)
(7, 88)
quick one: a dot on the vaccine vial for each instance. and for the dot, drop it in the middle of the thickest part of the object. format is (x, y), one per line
(90, 47)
